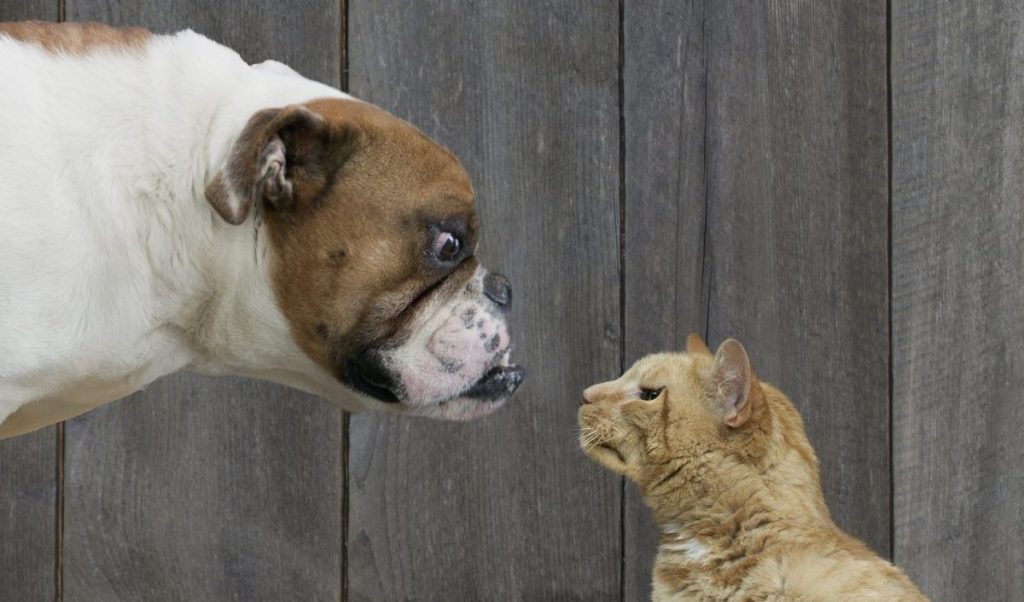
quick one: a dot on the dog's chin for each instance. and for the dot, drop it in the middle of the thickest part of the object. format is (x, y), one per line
(459, 409)
(490, 392)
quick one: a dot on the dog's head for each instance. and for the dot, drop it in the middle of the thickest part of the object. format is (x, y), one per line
(373, 233)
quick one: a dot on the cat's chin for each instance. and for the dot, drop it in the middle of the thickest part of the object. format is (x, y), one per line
(607, 456)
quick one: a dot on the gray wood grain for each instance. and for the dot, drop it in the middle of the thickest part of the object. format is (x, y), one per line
(28, 520)
(303, 35)
(664, 96)
(17, 10)
(797, 221)
(505, 508)
(205, 489)
(958, 297)
(29, 468)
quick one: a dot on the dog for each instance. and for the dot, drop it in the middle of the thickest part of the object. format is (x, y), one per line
(167, 206)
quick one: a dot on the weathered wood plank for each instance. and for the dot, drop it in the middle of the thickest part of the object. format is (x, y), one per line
(304, 36)
(958, 297)
(505, 508)
(203, 489)
(797, 220)
(796, 152)
(28, 464)
(28, 519)
(17, 10)
(663, 91)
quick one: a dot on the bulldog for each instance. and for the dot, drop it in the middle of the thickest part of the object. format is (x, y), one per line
(168, 207)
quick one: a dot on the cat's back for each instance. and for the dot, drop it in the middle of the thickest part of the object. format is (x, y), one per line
(822, 566)
(837, 567)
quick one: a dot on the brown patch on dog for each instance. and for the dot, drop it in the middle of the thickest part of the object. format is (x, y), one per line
(218, 194)
(358, 179)
(76, 38)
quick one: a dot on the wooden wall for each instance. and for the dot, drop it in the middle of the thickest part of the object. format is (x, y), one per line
(836, 183)
(958, 296)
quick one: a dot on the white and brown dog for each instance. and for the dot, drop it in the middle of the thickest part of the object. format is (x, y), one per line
(166, 206)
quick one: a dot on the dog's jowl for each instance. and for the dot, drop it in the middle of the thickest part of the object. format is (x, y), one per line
(166, 206)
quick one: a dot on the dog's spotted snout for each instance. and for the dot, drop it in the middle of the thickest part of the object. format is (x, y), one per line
(498, 289)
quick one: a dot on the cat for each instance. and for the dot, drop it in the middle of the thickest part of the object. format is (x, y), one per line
(723, 462)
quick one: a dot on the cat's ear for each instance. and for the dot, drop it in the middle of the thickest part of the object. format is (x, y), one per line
(695, 344)
(732, 378)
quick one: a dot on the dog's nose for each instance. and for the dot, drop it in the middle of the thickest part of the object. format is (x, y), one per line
(497, 289)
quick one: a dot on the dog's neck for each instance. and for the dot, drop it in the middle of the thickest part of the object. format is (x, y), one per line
(211, 278)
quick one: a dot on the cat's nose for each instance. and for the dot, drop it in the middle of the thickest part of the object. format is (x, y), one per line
(588, 395)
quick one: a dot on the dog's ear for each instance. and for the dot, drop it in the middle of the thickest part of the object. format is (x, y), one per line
(282, 160)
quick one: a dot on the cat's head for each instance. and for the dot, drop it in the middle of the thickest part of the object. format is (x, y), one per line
(674, 406)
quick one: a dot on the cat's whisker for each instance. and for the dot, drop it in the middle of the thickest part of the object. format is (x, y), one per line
(594, 437)
(589, 438)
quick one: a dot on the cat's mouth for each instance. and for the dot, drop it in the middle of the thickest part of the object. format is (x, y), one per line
(602, 450)
(612, 451)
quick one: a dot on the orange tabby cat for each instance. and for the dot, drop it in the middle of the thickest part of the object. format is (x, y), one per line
(722, 460)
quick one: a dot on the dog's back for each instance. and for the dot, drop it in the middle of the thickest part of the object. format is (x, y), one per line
(76, 119)
(107, 139)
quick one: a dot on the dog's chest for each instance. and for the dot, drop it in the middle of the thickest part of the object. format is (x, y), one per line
(89, 380)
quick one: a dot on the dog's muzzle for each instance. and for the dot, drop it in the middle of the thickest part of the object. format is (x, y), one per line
(452, 361)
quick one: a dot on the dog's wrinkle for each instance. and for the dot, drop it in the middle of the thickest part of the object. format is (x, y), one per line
(409, 312)
(321, 331)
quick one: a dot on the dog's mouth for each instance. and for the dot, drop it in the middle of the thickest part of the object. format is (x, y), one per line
(493, 388)
(368, 380)
(497, 384)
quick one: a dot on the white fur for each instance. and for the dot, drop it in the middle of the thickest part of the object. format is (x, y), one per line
(114, 271)
(682, 542)
(693, 550)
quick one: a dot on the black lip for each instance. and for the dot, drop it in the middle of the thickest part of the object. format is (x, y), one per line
(352, 376)
(497, 384)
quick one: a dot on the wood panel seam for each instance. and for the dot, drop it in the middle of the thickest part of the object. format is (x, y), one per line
(58, 563)
(705, 267)
(622, 273)
(889, 265)
(343, 84)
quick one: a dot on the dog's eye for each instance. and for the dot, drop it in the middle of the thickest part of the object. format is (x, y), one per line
(446, 246)
(649, 394)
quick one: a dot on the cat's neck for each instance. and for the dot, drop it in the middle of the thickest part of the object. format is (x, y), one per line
(711, 500)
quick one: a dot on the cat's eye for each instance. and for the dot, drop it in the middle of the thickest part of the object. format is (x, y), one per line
(649, 394)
